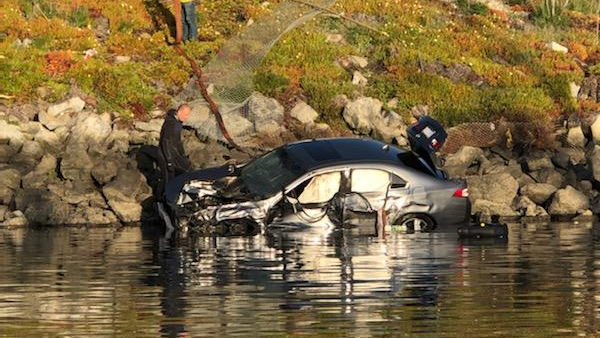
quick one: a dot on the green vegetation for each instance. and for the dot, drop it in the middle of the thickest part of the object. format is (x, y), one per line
(504, 71)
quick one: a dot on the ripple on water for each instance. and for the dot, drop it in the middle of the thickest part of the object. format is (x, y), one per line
(128, 282)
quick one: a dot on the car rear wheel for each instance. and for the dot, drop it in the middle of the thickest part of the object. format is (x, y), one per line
(416, 222)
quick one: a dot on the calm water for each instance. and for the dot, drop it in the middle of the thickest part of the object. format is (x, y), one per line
(96, 282)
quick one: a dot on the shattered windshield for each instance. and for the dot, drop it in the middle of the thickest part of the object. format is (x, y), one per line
(270, 173)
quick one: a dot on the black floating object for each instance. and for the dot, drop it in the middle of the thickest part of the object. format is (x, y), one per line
(481, 230)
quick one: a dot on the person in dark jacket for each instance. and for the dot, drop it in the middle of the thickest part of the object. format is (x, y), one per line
(170, 141)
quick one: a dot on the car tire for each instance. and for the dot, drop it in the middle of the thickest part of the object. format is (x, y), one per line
(413, 222)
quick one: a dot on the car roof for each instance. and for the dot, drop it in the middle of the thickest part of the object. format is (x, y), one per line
(318, 153)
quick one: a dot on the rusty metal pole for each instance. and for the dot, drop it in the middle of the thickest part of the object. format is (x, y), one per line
(198, 72)
(178, 21)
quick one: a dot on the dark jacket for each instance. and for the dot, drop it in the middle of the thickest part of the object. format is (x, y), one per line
(171, 147)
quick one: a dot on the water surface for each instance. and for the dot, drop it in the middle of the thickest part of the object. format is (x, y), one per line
(544, 281)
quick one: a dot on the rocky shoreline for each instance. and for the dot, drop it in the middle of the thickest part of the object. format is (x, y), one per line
(65, 164)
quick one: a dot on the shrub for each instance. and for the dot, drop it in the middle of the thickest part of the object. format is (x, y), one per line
(119, 88)
(472, 7)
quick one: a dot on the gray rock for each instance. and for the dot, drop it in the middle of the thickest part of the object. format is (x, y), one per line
(265, 113)
(48, 140)
(458, 163)
(360, 113)
(59, 114)
(515, 170)
(576, 156)
(151, 126)
(568, 201)
(99, 216)
(358, 79)
(304, 113)
(488, 208)
(528, 208)
(104, 172)
(30, 128)
(90, 130)
(11, 140)
(499, 188)
(76, 193)
(15, 219)
(389, 126)
(556, 47)
(36, 204)
(574, 89)
(127, 212)
(595, 127)
(76, 164)
(42, 174)
(129, 186)
(10, 178)
(550, 176)
(239, 128)
(595, 161)
(538, 163)
(358, 61)
(538, 192)
(576, 138)
(31, 151)
(118, 141)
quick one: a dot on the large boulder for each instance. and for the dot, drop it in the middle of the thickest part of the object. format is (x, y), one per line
(538, 163)
(90, 130)
(595, 160)
(10, 180)
(458, 163)
(38, 205)
(127, 212)
(76, 165)
(153, 125)
(528, 208)
(499, 188)
(486, 209)
(43, 172)
(59, 114)
(118, 141)
(104, 171)
(360, 113)
(576, 138)
(265, 113)
(238, 127)
(304, 113)
(14, 219)
(538, 192)
(389, 126)
(568, 201)
(77, 193)
(127, 187)
(595, 127)
(11, 140)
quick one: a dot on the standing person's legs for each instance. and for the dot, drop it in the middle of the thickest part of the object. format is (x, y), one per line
(190, 27)
(192, 21)
(184, 19)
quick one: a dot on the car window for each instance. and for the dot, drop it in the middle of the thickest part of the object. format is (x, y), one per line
(397, 182)
(270, 173)
(369, 180)
(321, 188)
(412, 161)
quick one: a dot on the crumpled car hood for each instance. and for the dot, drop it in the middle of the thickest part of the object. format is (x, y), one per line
(203, 180)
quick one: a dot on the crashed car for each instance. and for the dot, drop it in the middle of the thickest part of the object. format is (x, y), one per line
(339, 179)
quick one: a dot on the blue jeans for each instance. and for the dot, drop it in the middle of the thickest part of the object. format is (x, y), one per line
(190, 25)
